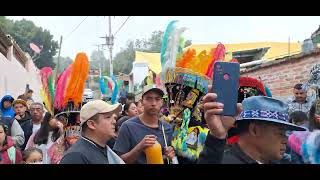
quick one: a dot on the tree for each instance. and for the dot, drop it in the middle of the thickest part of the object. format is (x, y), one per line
(97, 60)
(24, 32)
(123, 60)
(63, 64)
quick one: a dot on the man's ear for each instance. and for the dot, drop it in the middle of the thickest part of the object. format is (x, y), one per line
(254, 129)
(91, 124)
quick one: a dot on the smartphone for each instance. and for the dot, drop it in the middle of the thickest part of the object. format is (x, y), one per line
(27, 87)
(226, 84)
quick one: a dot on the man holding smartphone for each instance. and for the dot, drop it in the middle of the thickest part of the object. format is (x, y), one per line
(262, 125)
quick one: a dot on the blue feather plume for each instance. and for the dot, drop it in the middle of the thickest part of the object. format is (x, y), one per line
(102, 85)
(115, 90)
(166, 35)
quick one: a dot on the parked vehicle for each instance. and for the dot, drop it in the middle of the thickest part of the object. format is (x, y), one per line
(87, 95)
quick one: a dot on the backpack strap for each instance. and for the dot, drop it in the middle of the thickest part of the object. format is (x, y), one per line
(12, 154)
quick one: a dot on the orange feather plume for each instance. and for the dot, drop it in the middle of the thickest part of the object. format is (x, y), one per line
(76, 84)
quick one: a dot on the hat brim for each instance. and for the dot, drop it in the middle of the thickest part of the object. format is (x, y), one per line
(66, 112)
(116, 108)
(287, 125)
(157, 90)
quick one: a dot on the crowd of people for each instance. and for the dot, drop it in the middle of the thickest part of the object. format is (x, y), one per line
(267, 130)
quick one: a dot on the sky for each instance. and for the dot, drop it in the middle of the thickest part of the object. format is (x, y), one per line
(201, 29)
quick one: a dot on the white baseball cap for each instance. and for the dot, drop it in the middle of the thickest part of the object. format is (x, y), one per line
(96, 107)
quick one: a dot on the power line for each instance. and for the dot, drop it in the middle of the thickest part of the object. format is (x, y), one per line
(122, 25)
(76, 27)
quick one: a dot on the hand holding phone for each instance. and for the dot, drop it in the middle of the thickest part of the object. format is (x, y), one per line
(27, 88)
(225, 85)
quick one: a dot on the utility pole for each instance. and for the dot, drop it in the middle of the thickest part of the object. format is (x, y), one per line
(102, 64)
(58, 63)
(109, 42)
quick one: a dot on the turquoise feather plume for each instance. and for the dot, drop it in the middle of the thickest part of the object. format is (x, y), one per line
(165, 39)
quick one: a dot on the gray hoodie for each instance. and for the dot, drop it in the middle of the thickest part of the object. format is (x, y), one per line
(17, 133)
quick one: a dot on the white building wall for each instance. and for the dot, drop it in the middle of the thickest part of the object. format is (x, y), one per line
(14, 77)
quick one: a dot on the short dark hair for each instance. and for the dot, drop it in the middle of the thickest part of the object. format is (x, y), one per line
(137, 103)
(85, 126)
(243, 125)
(126, 107)
(122, 100)
(42, 135)
(298, 86)
(30, 91)
(297, 117)
(130, 96)
(26, 153)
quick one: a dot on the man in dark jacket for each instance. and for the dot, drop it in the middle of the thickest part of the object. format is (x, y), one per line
(31, 126)
(262, 125)
(98, 120)
(21, 113)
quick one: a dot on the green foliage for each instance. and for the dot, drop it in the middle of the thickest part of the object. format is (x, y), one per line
(123, 60)
(25, 32)
(97, 60)
(63, 64)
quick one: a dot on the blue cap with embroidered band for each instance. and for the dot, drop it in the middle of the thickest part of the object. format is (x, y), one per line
(267, 109)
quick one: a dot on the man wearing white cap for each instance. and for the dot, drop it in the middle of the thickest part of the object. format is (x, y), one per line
(98, 120)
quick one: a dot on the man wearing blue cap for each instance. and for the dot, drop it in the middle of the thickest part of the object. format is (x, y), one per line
(262, 125)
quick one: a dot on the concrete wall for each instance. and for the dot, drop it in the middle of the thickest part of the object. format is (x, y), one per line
(14, 77)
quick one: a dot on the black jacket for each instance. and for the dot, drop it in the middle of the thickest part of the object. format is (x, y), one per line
(25, 118)
(85, 151)
(234, 155)
(214, 152)
(27, 129)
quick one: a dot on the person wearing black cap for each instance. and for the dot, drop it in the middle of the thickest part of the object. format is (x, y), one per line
(262, 126)
(143, 131)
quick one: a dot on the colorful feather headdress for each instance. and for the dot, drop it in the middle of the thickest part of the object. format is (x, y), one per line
(250, 87)
(109, 84)
(314, 83)
(78, 77)
(62, 82)
(70, 85)
(47, 88)
(186, 74)
(314, 80)
(310, 148)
